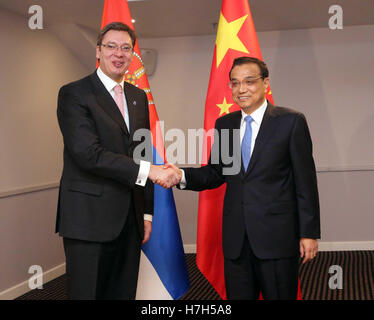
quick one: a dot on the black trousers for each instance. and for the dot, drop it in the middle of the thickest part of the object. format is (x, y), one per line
(101, 271)
(247, 276)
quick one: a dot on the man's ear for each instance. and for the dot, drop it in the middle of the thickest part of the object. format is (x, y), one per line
(98, 52)
(266, 83)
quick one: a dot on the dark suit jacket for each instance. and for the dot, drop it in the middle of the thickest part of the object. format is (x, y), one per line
(276, 200)
(99, 174)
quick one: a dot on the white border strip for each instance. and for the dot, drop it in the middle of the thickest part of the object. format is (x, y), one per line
(189, 248)
(322, 246)
(23, 287)
(52, 185)
(369, 167)
(24, 190)
(346, 246)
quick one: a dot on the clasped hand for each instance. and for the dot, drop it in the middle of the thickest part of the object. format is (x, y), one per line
(166, 176)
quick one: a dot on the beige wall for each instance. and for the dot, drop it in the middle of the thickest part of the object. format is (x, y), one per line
(325, 74)
(27, 236)
(33, 66)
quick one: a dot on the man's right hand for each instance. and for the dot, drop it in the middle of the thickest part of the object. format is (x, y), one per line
(166, 176)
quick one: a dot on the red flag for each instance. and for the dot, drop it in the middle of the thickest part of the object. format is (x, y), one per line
(118, 11)
(236, 37)
(169, 263)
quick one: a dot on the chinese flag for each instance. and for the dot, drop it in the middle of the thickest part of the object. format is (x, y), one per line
(236, 37)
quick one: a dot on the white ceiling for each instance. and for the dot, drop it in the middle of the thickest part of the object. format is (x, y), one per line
(166, 18)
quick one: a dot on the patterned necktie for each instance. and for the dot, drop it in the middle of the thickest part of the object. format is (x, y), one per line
(246, 143)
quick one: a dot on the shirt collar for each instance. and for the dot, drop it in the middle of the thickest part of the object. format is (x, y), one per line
(108, 83)
(258, 114)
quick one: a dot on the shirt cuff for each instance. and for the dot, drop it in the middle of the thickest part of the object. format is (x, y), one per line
(183, 182)
(145, 166)
(148, 217)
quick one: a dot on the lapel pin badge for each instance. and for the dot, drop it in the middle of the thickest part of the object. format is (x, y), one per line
(134, 103)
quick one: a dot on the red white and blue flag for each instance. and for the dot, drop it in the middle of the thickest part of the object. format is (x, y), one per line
(163, 271)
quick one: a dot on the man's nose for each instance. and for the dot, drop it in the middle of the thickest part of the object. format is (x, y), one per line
(242, 87)
(118, 52)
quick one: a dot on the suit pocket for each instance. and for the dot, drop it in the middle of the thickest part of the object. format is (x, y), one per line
(86, 187)
(281, 207)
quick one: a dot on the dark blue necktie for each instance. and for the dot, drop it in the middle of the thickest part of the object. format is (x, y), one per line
(246, 143)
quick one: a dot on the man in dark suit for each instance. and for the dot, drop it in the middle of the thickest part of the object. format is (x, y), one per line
(271, 206)
(106, 200)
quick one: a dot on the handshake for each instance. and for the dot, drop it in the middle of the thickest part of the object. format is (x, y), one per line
(167, 175)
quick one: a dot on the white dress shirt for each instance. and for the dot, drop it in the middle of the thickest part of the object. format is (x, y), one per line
(257, 117)
(145, 166)
(109, 84)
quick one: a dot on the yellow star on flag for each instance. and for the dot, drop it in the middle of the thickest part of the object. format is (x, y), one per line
(224, 106)
(227, 37)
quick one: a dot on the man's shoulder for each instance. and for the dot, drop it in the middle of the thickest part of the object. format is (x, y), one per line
(285, 112)
(232, 116)
(134, 89)
(78, 84)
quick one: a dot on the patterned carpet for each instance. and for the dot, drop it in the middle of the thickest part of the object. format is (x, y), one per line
(358, 276)
(357, 279)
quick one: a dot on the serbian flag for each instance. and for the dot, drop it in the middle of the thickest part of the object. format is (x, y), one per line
(236, 37)
(163, 270)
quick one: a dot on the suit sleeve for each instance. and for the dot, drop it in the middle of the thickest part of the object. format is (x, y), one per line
(305, 179)
(83, 143)
(209, 176)
(149, 186)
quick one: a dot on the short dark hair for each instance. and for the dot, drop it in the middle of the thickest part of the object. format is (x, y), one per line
(244, 60)
(118, 26)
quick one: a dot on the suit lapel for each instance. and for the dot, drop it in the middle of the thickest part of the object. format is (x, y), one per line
(267, 127)
(107, 103)
(131, 105)
(236, 137)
